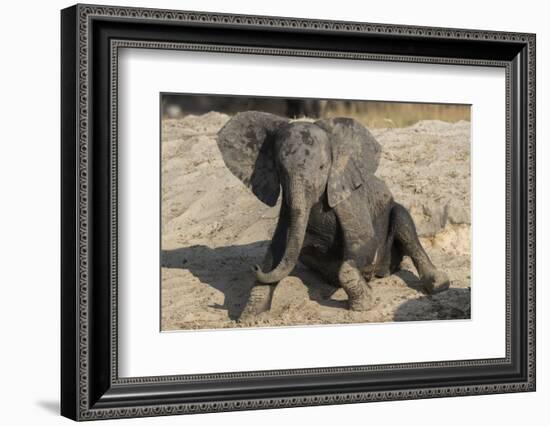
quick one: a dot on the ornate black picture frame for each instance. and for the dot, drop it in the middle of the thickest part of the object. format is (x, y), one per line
(91, 36)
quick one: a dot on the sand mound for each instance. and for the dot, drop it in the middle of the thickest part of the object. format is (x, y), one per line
(214, 229)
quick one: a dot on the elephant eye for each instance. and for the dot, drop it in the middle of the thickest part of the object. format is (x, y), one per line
(322, 167)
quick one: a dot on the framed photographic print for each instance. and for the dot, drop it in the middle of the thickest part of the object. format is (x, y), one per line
(263, 212)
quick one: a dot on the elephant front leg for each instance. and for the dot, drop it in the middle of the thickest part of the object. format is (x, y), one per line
(360, 251)
(259, 301)
(355, 286)
(360, 257)
(343, 274)
(261, 294)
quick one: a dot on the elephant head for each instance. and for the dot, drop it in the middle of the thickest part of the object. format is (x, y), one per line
(308, 160)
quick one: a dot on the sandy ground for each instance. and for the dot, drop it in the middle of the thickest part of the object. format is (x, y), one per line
(214, 229)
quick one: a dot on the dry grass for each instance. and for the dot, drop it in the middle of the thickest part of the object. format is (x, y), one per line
(395, 114)
(373, 114)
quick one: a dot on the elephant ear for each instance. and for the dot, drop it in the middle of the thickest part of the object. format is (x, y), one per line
(355, 156)
(246, 145)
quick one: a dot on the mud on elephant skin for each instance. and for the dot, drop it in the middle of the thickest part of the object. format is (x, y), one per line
(336, 216)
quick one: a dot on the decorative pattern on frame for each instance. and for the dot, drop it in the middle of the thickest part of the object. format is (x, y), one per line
(86, 13)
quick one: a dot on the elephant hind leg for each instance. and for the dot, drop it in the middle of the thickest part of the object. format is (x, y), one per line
(392, 257)
(406, 241)
(261, 295)
(391, 262)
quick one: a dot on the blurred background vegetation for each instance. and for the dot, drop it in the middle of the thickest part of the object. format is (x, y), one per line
(370, 113)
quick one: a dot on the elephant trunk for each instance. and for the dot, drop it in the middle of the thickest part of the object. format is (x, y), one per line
(299, 215)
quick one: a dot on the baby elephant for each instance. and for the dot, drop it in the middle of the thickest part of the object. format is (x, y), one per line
(336, 216)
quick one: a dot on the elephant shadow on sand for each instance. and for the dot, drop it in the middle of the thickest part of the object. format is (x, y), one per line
(222, 268)
(227, 270)
(452, 304)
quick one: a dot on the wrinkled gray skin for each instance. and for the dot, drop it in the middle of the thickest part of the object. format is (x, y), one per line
(336, 216)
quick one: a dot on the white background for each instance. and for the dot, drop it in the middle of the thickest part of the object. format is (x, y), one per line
(146, 352)
(29, 224)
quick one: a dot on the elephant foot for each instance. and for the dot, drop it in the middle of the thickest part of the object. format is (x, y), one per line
(356, 287)
(258, 302)
(436, 282)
